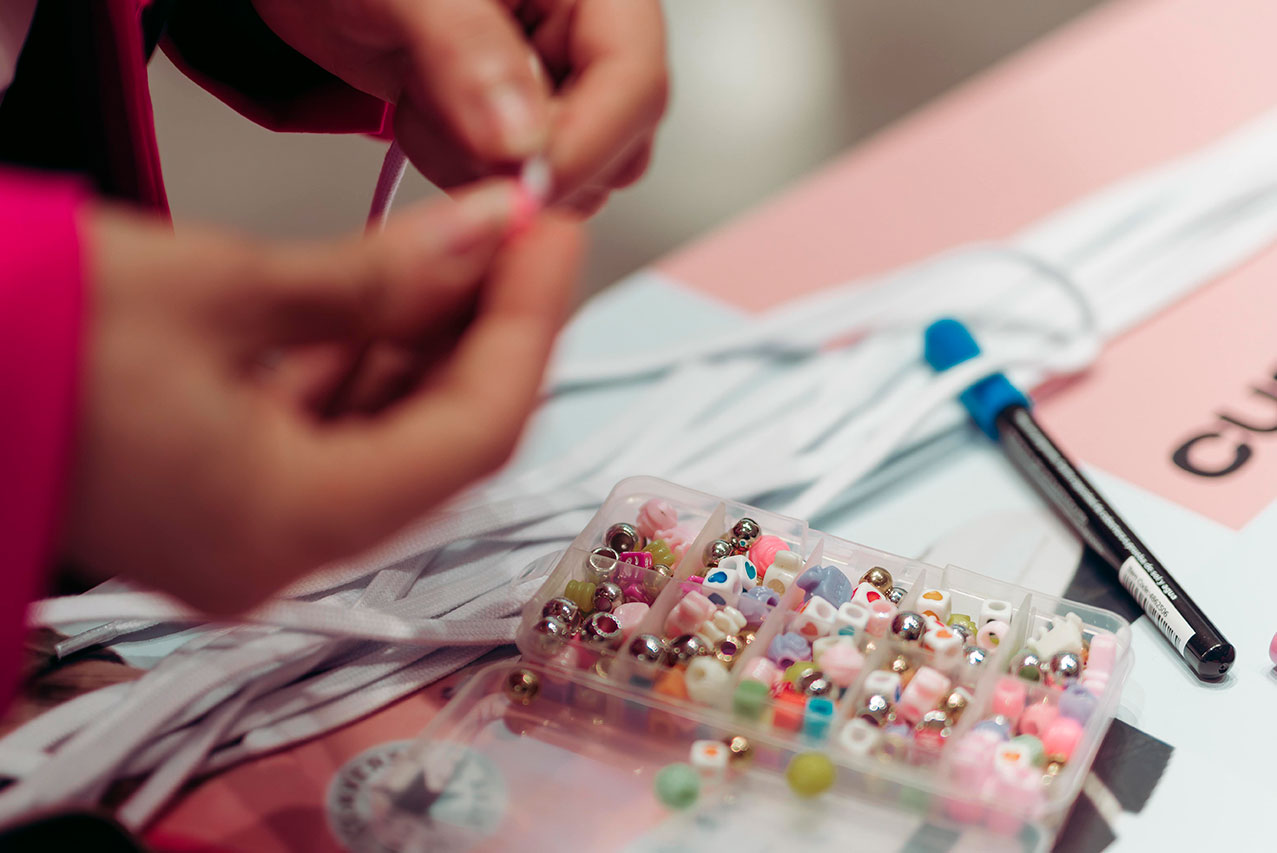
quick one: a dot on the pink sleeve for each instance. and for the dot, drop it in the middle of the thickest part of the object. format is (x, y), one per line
(41, 319)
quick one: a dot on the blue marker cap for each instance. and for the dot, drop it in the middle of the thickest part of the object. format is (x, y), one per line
(947, 343)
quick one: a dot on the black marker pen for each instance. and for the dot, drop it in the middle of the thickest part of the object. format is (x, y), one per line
(1002, 411)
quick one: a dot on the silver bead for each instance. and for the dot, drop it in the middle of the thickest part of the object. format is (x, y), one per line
(716, 551)
(1065, 669)
(565, 610)
(622, 537)
(655, 579)
(602, 631)
(963, 632)
(876, 709)
(607, 597)
(935, 720)
(814, 683)
(974, 655)
(648, 648)
(685, 647)
(744, 534)
(909, 626)
(601, 564)
(896, 594)
(1027, 665)
(549, 635)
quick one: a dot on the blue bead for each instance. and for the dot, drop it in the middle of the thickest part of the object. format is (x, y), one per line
(847, 631)
(998, 725)
(818, 717)
(827, 582)
(1077, 702)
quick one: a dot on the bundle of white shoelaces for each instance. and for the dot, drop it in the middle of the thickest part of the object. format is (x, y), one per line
(827, 397)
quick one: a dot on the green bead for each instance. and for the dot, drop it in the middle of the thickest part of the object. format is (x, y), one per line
(810, 774)
(1033, 747)
(966, 622)
(751, 699)
(581, 592)
(797, 670)
(661, 553)
(677, 785)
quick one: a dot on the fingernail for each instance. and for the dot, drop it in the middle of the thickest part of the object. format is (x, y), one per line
(520, 131)
(482, 214)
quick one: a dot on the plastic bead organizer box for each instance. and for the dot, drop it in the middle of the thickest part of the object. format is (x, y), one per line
(689, 656)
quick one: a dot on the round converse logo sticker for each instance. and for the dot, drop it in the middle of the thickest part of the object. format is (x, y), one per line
(468, 808)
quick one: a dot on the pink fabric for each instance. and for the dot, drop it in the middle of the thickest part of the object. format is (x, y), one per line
(41, 316)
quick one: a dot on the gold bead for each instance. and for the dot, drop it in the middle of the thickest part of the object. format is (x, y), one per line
(728, 649)
(903, 667)
(522, 686)
(740, 752)
(747, 636)
(955, 703)
(879, 578)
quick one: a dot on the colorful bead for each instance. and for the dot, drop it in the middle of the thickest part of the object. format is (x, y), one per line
(622, 537)
(995, 610)
(924, 692)
(1033, 748)
(879, 578)
(828, 582)
(866, 594)
(763, 552)
(788, 648)
(656, 515)
(1064, 635)
(661, 553)
(723, 584)
(1100, 662)
(1009, 696)
(581, 592)
(671, 685)
(1036, 718)
(815, 619)
(842, 664)
(677, 785)
(963, 620)
(852, 615)
(729, 649)
(756, 604)
(722, 623)
(642, 559)
(1061, 738)
(991, 633)
(998, 726)
(1078, 702)
(885, 683)
(810, 774)
(787, 711)
(818, 717)
(944, 644)
(881, 612)
(783, 571)
(935, 602)
(751, 699)
(709, 759)
(709, 682)
(688, 614)
(679, 537)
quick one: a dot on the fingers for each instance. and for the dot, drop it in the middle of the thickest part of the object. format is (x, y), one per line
(618, 91)
(374, 476)
(471, 63)
(423, 268)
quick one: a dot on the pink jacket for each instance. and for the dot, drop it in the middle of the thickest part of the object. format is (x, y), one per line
(43, 294)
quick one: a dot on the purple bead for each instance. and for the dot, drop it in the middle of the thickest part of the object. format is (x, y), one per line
(1000, 726)
(1077, 702)
(756, 603)
(787, 649)
(827, 582)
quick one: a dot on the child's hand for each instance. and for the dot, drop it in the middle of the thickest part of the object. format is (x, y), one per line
(483, 84)
(198, 474)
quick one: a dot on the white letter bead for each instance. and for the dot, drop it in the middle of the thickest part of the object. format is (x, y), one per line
(944, 644)
(822, 644)
(709, 757)
(995, 610)
(788, 561)
(934, 603)
(853, 615)
(866, 594)
(883, 682)
(723, 584)
(816, 619)
(859, 737)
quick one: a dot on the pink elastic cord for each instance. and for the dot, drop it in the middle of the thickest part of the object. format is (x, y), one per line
(392, 172)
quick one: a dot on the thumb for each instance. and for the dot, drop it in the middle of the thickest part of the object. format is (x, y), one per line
(424, 267)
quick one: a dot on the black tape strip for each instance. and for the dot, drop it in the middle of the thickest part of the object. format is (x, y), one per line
(1130, 763)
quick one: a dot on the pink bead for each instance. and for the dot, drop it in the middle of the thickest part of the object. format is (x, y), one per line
(692, 584)
(991, 634)
(637, 592)
(762, 669)
(642, 559)
(1272, 650)
(688, 614)
(1008, 698)
(841, 663)
(656, 515)
(764, 551)
(1102, 657)
(1062, 737)
(678, 538)
(881, 612)
(921, 694)
(629, 615)
(1036, 718)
